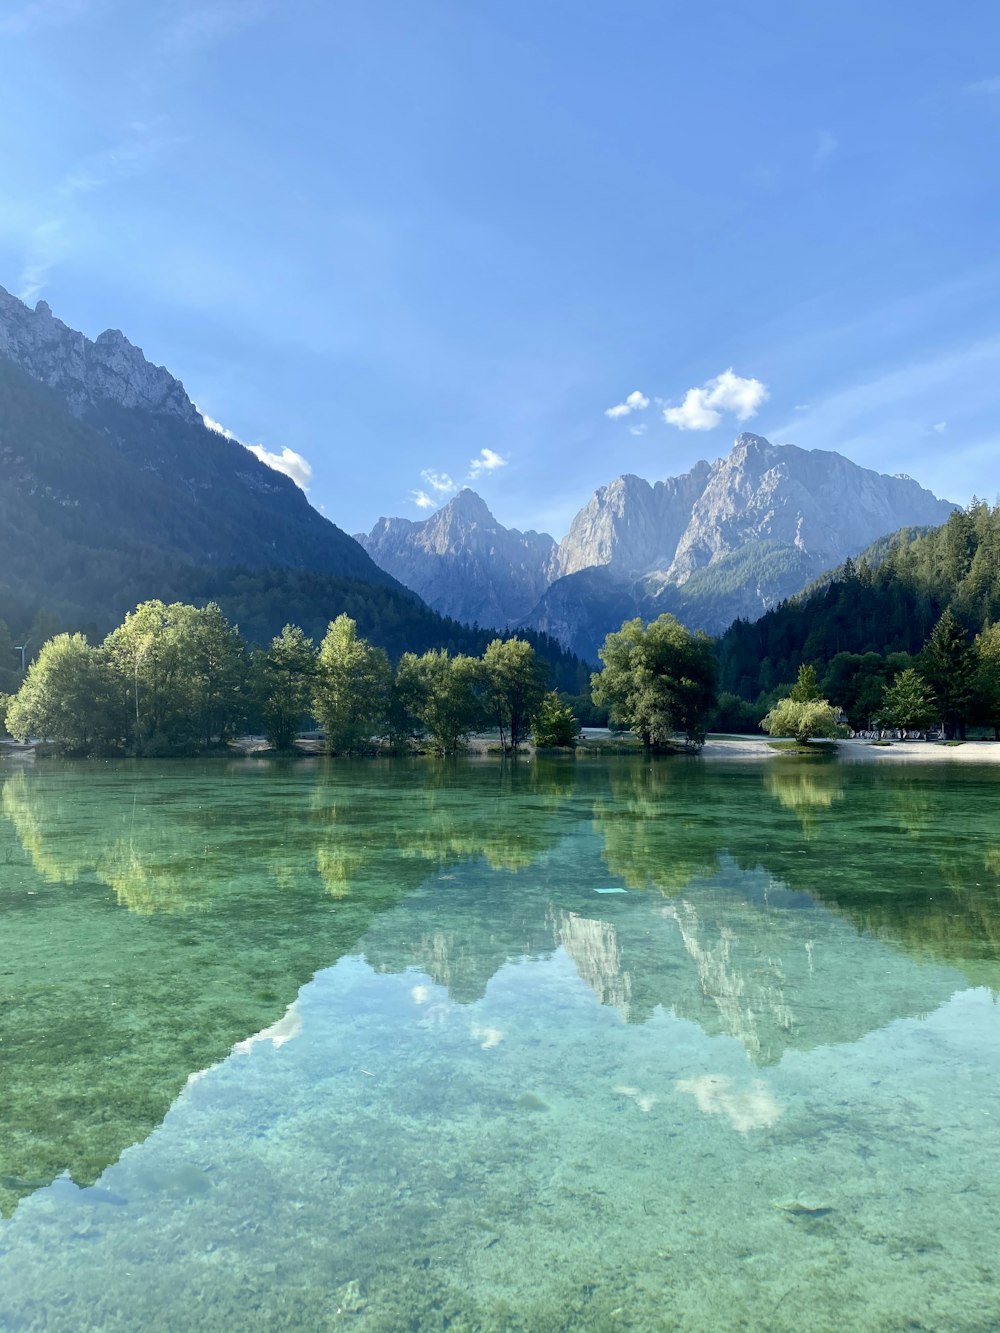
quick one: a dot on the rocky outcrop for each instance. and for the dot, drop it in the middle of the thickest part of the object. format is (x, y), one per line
(818, 502)
(463, 563)
(632, 525)
(86, 373)
(726, 539)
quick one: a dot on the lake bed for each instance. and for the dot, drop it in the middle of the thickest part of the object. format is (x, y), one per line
(636, 1044)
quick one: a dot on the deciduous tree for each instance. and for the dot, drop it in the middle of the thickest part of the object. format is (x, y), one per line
(514, 681)
(351, 688)
(658, 679)
(444, 695)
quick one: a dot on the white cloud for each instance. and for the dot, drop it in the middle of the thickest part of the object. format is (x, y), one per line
(986, 87)
(217, 426)
(825, 148)
(487, 461)
(441, 484)
(288, 461)
(940, 427)
(439, 481)
(635, 402)
(638, 430)
(703, 409)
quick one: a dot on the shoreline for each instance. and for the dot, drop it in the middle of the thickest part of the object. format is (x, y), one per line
(862, 752)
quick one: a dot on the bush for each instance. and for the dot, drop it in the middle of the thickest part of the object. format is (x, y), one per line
(554, 723)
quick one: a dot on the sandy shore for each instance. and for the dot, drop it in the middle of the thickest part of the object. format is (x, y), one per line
(970, 752)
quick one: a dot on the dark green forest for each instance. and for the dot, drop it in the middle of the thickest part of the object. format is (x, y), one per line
(886, 602)
(99, 515)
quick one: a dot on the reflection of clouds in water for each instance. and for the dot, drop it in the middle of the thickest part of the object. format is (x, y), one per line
(644, 1100)
(487, 1037)
(287, 1027)
(420, 994)
(752, 1109)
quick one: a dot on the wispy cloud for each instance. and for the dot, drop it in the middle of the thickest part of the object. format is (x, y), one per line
(826, 146)
(439, 481)
(485, 461)
(635, 402)
(704, 408)
(47, 245)
(288, 461)
(939, 427)
(16, 19)
(440, 485)
(199, 24)
(51, 240)
(638, 430)
(986, 87)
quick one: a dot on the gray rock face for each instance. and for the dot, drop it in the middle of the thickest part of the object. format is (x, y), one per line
(820, 503)
(463, 563)
(630, 525)
(109, 369)
(727, 539)
(759, 526)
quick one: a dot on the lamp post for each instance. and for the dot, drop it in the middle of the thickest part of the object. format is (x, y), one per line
(22, 648)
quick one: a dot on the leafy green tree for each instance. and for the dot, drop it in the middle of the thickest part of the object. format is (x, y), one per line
(281, 684)
(444, 695)
(180, 670)
(514, 685)
(806, 688)
(5, 702)
(657, 679)
(351, 688)
(215, 662)
(554, 723)
(987, 648)
(908, 702)
(948, 664)
(67, 697)
(803, 720)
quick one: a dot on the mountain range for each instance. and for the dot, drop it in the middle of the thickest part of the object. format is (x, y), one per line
(115, 490)
(722, 541)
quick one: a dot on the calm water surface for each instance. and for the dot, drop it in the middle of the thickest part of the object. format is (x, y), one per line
(568, 1046)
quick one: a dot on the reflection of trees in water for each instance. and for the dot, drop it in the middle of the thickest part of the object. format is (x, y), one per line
(654, 834)
(805, 787)
(441, 813)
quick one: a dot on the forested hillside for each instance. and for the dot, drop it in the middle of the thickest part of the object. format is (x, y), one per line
(887, 601)
(99, 514)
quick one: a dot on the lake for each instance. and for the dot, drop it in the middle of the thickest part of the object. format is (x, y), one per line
(563, 1045)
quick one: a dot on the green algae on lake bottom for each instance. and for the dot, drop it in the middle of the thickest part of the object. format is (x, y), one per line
(359, 1045)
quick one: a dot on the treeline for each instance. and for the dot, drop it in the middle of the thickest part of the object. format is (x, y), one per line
(953, 681)
(179, 679)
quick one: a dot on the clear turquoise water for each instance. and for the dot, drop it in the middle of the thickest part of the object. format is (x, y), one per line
(597, 1045)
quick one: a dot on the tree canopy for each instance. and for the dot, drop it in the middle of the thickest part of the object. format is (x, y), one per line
(657, 679)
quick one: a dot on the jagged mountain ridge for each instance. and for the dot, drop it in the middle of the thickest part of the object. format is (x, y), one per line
(723, 540)
(463, 559)
(114, 491)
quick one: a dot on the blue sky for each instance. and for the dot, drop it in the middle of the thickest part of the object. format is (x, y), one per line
(390, 235)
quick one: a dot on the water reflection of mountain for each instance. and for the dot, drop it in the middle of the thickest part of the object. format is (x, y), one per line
(237, 884)
(156, 915)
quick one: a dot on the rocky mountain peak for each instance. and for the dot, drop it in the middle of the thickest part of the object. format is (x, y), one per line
(469, 506)
(87, 373)
(465, 563)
